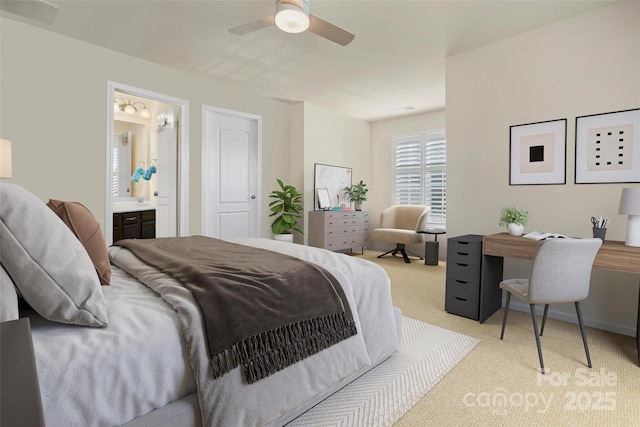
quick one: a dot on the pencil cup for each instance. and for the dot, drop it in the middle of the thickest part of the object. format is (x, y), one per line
(599, 232)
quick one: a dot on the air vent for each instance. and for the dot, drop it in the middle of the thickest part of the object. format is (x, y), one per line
(406, 108)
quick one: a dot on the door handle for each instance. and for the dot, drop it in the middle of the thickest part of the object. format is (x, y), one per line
(253, 196)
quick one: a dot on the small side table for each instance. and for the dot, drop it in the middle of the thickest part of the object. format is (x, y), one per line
(432, 248)
(20, 402)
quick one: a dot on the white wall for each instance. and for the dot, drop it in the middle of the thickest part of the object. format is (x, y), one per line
(334, 139)
(53, 93)
(585, 65)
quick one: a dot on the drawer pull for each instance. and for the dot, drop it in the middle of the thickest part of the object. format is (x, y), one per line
(461, 299)
(462, 265)
(462, 253)
(131, 218)
(463, 243)
(461, 281)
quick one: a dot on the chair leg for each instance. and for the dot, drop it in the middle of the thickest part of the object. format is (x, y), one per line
(506, 310)
(414, 254)
(544, 318)
(405, 256)
(584, 333)
(394, 250)
(400, 249)
(532, 307)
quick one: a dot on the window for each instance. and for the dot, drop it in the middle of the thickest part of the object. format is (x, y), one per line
(114, 175)
(420, 172)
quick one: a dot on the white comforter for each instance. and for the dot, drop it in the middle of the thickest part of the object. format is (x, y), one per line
(95, 383)
(108, 376)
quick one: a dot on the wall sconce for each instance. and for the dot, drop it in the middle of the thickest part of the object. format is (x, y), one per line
(130, 108)
(630, 205)
(5, 159)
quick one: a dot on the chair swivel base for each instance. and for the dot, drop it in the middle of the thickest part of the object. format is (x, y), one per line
(401, 248)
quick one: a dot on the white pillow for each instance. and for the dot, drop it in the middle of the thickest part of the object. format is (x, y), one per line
(47, 263)
(8, 297)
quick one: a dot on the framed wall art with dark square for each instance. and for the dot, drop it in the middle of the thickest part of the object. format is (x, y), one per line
(608, 147)
(538, 153)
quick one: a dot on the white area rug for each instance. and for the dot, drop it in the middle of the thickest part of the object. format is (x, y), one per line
(384, 394)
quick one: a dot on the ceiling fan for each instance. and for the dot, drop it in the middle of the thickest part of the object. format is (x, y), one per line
(293, 16)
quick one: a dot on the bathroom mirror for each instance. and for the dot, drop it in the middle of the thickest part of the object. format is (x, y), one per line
(131, 152)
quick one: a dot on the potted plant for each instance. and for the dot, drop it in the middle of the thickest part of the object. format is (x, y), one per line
(514, 218)
(357, 193)
(286, 208)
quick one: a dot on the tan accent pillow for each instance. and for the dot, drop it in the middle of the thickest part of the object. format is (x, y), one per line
(83, 224)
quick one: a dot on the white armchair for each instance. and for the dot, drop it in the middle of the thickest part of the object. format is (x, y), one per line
(402, 224)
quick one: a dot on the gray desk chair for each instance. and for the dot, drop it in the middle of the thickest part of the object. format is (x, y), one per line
(401, 225)
(560, 273)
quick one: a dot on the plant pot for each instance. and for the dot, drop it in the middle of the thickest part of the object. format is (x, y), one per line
(515, 229)
(284, 237)
(357, 206)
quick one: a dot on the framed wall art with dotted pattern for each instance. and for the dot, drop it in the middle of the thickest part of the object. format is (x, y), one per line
(608, 147)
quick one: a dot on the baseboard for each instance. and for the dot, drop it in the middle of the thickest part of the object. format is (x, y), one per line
(571, 318)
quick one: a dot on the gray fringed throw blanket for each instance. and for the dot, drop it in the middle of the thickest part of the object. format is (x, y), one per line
(262, 309)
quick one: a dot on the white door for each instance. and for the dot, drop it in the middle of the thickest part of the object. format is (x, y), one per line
(167, 173)
(230, 174)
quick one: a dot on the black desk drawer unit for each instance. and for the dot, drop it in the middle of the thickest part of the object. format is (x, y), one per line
(472, 279)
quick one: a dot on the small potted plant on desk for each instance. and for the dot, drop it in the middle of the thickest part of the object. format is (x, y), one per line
(514, 219)
(357, 193)
(286, 208)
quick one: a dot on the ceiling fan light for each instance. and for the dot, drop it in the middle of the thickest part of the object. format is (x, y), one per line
(292, 19)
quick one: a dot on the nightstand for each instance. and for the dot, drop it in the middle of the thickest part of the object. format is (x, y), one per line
(21, 404)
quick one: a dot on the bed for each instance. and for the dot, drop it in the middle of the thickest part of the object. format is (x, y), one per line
(135, 352)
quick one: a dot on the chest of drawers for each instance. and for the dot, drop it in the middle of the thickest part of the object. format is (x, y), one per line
(335, 230)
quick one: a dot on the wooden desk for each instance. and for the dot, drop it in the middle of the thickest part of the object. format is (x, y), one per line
(613, 255)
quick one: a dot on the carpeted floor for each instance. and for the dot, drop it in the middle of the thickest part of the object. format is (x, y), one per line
(383, 395)
(498, 383)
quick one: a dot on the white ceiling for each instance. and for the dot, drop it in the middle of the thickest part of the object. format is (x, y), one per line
(395, 66)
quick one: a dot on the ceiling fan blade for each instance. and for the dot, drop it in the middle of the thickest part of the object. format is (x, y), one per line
(253, 26)
(329, 31)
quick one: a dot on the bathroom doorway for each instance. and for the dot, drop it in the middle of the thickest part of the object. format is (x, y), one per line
(147, 163)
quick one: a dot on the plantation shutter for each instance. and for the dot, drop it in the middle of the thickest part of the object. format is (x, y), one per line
(115, 172)
(420, 172)
(435, 178)
(408, 167)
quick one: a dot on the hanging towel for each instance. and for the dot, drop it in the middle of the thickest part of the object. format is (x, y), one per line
(152, 169)
(137, 174)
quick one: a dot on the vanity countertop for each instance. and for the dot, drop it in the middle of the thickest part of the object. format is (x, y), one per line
(122, 207)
